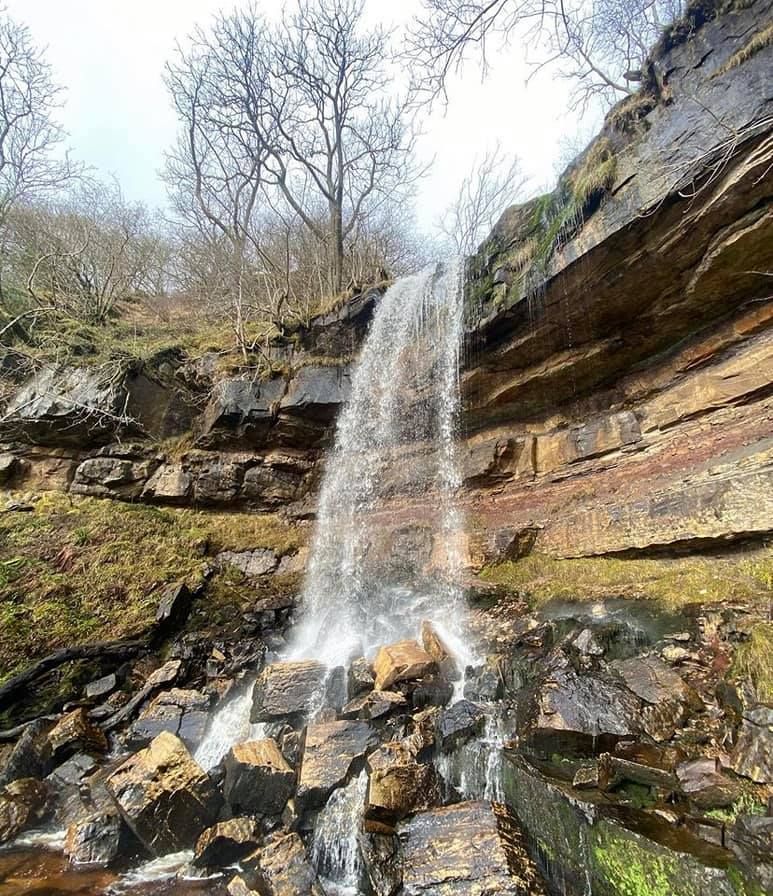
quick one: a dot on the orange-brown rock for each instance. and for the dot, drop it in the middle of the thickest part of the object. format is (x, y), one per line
(403, 661)
(258, 779)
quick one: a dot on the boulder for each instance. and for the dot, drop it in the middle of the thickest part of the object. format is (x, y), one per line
(330, 752)
(668, 699)
(281, 868)
(287, 690)
(226, 843)
(111, 476)
(373, 705)
(253, 564)
(403, 661)
(31, 755)
(397, 784)
(360, 677)
(434, 690)
(381, 860)
(458, 851)
(96, 841)
(459, 723)
(484, 682)
(102, 687)
(436, 647)
(577, 714)
(164, 796)
(76, 733)
(171, 483)
(258, 780)
(22, 804)
(173, 607)
(753, 753)
(179, 711)
(703, 782)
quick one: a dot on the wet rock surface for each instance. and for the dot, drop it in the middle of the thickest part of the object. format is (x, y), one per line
(257, 779)
(287, 689)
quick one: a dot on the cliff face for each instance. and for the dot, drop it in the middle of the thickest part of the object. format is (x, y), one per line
(619, 394)
(617, 384)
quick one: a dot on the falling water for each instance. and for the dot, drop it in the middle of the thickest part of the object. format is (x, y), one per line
(336, 852)
(396, 434)
(230, 725)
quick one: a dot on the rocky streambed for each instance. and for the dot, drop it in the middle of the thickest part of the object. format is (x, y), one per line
(598, 749)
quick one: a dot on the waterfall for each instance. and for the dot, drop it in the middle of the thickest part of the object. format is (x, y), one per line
(396, 435)
(230, 725)
(336, 845)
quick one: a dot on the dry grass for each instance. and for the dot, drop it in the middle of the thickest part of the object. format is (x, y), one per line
(79, 570)
(754, 660)
(594, 175)
(759, 41)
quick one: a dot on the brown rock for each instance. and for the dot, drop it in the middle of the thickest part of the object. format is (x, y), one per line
(76, 733)
(95, 841)
(164, 796)
(329, 754)
(373, 705)
(397, 784)
(753, 754)
(22, 804)
(287, 689)
(258, 780)
(281, 868)
(403, 661)
(439, 651)
(703, 782)
(459, 851)
(226, 843)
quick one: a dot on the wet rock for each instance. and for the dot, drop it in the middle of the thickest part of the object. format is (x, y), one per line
(423, 735)
(703, 782)
(360, 677)
(257, 780)
(459, 723)
(253, 564)
(751, 839)
(72, 772)
(381, 860)
(586, 644)
(102, 687)
(436, 647)
(753, 754)
(22, 804)
(668, 699)
(373, 705)
(331, 751)
(403, 661)
(287, 689)
(76, 733)
(164, 796)
(397, 784)
(238, 886)
(484, 682)
(96, 840)
(434, 690)
(613, 771)
(456, 851)
(31, 755)
(178, 711)
(281, 868)
(571, 713)
(226, 843)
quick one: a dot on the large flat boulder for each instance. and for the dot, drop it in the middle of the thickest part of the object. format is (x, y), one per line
(403, 661)
(330, 753)
(164, 796)
(459, 851)
(258, 780)
(287, 689)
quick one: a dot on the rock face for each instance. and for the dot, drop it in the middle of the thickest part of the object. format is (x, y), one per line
(286, 689)
(753, 754)
(330, 753)
(282, 869)
(258, 780)
(164, 796)
(456, 851)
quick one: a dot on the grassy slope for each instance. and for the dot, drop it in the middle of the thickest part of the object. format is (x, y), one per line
(73, 571)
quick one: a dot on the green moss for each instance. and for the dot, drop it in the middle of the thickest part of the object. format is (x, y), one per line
(634, 871)
(674, 582)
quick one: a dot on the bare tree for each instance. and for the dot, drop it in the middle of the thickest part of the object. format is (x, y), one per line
(341, 137)
(494, 183)
(601, 45)
(31, 159)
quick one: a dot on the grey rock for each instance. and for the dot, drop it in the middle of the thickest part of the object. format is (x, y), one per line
(459, 723)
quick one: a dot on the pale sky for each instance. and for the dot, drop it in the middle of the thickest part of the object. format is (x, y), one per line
(110, 54)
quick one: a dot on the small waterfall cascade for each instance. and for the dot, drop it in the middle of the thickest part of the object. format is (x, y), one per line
(336, 849)
(395, 435)
(229, 726)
